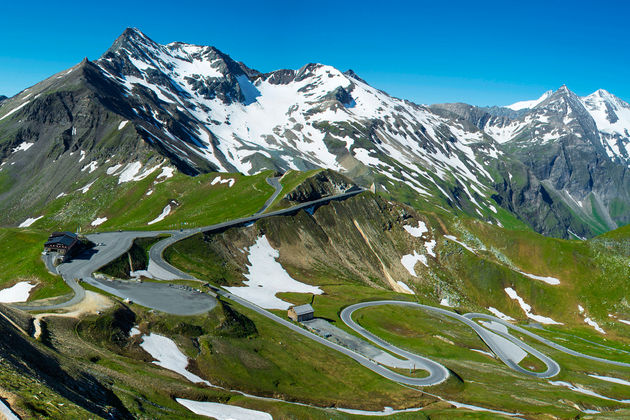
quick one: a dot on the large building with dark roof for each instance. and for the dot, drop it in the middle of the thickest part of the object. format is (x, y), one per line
(65, 243)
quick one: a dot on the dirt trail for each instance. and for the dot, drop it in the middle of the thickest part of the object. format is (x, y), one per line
(92, 304)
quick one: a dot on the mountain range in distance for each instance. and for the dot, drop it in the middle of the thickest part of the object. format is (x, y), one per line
(558, 164)
(265, 245)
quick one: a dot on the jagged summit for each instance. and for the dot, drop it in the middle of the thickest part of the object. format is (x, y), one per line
(203, 111)
(353, 75)
(131, 39)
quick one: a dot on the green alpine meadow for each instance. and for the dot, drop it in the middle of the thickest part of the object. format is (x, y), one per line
(184, 236)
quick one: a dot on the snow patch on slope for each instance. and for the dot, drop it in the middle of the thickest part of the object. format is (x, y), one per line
(28, 222)
(409, 261)
(267, 277)
(16, 293)
(529, 104)
(223, 411)
(528, 309)
(168, 356)
(219, 180)
(99, 221)
(416, 232)
(23, 147)
(500, 314)
(549, 280)
(405, 288)
(165, 212)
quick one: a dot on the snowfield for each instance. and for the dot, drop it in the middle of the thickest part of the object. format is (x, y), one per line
(165, 212)
(590, 321)
(409, 261)
(267, 277)
(549, 280)
(16, 293)
(500, 314)
(457, 241)
(529, 104)
(28, 222)
(283, 121)
(594, 324)
(87, 187)
(23, 147)
(219, 180)
(168, 356)
(99, 221)
(14, 110)
(416, 232)
(585, 391)
(446, 302)
(131, 172)
(223, 411)
(90, 167)
(430, 246)
(167, 172)
(611, 379)
(406, 288)
(113, 169)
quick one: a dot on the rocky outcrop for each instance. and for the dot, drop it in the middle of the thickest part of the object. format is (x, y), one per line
(320, 185)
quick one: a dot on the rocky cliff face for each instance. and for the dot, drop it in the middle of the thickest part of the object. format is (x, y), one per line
(322, 184)
(143, 104)
(60, 135)
(576, 147)
(359, 240)
(200, 109)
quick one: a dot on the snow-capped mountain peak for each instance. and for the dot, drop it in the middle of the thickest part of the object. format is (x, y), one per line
(199, 102)
(611, 114)
(612, 117)
(529, 104)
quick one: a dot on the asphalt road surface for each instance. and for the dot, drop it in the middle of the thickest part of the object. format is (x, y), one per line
(275, 183)
(544, 340)
(116, 244)
(438, 372)
(156, 260)
(185, 301)
(497, 346)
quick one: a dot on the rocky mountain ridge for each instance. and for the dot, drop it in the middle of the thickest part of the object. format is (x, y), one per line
(143, 104)
(579, 147)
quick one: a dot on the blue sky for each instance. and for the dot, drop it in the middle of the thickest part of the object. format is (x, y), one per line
(490, 52)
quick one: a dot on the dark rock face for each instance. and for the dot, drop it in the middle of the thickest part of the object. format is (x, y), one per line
(574, 160)
(200, 109)
(478, 116)
(565, 150)
(320, 185)
(536, 203)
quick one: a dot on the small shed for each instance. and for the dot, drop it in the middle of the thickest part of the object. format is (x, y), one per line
(301, 313)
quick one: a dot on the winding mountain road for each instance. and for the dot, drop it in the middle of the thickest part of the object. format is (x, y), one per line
(543, 340)
(488, 337)
(168, 298)
(495, 339)
(155, 295)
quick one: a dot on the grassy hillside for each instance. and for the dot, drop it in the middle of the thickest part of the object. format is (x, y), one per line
(194, 201)
(326, 249)
(21, 261)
